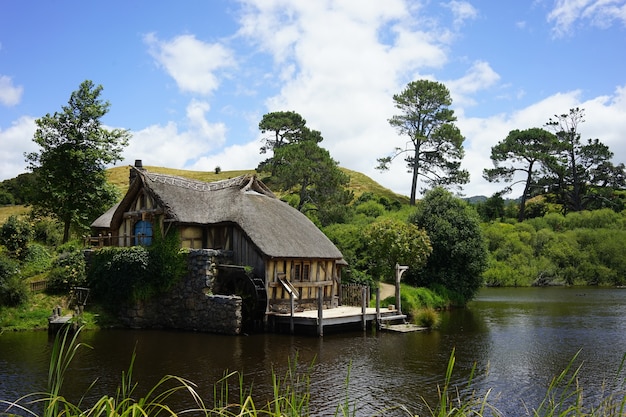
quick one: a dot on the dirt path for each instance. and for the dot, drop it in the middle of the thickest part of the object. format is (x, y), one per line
(387, 290)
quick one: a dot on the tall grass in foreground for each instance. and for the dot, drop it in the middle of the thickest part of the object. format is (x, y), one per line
(291, 395)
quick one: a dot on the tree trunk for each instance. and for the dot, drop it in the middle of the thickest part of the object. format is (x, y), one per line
(415, 175)
(66, 231)
(522, 206)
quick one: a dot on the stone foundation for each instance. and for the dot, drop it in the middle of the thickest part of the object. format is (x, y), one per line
(191, 304)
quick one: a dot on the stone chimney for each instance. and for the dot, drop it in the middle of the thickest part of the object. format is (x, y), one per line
(133, 170)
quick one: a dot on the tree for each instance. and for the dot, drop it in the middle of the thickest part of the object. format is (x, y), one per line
(283, 128)
(309, 169)
(299, 164)
(525, 151)
(390, 242)
(459, 255)
(582, 175)
(70, 165)
(435, 147)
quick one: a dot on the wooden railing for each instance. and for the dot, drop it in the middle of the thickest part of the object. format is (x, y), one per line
(108, 240)
(351, 294)
(37, 286)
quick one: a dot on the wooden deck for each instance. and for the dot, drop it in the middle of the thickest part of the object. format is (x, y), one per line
(342, 315)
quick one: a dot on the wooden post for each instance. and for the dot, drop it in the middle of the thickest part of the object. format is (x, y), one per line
(378, 307)
(291, 308)
(363, 307)
(399, 271)
(320, 312)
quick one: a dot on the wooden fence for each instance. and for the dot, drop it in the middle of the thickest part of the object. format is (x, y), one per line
(38, 286)
(351, 294)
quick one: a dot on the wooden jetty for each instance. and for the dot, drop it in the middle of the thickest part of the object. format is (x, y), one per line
(342, 315)
(337, 316)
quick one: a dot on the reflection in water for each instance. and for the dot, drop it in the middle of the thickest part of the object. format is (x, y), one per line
(517, 339)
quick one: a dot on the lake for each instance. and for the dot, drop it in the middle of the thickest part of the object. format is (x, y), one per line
(517, 340)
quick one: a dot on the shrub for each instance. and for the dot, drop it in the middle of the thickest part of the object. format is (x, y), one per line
(15, 234)
(68, 270)
(13, 290)
(371, 209)
(118, 276)
(36, 260)
(114, 272)
(48, 232)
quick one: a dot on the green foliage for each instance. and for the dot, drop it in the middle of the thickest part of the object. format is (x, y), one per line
(115, 272)
(167, 263)
(47, 232)
(13, 290)
(459, 254)
(301, 167)
(370, 208)
(37, 260)
(118, 276)
(581, 248)
(70, 164)
(15, 235)
(416, 298)
(389, 242)
(6, 198)
(68, 270)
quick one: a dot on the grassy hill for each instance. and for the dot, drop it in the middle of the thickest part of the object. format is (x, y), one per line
(118, 176)
(359, 183)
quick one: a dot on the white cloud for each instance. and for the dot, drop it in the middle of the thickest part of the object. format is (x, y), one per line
(462, 11)
(479, 76)
(177, 146)
(600, 13)
(14, 142)
(192, 63)
(10, 94)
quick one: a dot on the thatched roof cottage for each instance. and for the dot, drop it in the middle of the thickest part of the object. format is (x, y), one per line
(280, 249)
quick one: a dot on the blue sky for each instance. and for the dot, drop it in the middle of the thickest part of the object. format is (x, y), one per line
(192, 80)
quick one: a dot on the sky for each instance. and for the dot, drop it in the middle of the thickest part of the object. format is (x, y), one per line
(191, 80)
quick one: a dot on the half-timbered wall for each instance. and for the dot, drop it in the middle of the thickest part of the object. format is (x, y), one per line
(306, 276)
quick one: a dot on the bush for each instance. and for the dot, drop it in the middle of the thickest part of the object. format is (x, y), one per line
(15, 234)
(68, 270)
(48, 232)
(370, 209)
(13, 289)
(118, 276)
(37, 260)
(114, 273)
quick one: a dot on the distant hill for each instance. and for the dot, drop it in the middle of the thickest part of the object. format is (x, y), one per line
(118, 176)
(359, 183)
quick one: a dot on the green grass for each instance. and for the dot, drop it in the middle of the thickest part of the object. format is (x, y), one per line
(32, 315)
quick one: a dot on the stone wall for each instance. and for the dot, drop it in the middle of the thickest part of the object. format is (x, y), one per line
(191, 304)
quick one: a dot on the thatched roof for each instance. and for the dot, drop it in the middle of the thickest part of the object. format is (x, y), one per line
(276, 228)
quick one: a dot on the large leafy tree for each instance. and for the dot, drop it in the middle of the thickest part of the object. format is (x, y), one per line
(582, 176)
(435, 147)
(390, 242)
(522, 151)
(459, 255)
(70, 164)
(301, 166)
(282, 128)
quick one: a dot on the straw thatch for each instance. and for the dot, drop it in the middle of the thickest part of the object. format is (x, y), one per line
(276, 228)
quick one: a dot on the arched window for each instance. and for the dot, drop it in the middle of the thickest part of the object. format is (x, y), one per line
(143, 233)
